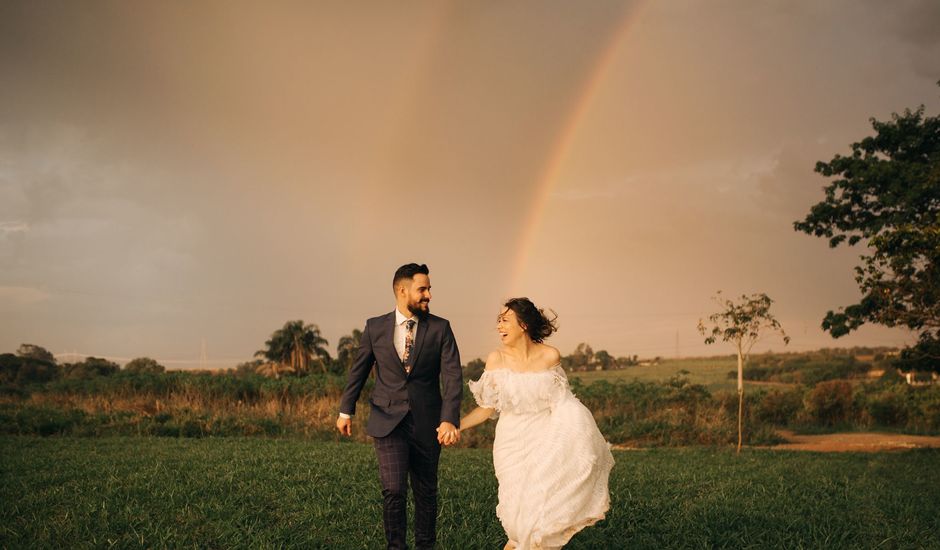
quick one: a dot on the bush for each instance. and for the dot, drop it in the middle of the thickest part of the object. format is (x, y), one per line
(830, 403)
(889, 407)
(779, 407)
(891, 376)
(804, 368)
(144, 365)
(43, 421)
(846, 367)
(90, 368)
(931, 412)
(20, 371)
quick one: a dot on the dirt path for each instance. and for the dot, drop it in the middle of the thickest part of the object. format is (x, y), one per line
(855, 442)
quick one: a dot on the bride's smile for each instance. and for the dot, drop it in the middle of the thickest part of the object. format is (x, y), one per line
(508, 327)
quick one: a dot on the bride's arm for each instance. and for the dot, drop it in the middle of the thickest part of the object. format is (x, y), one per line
(478, 415)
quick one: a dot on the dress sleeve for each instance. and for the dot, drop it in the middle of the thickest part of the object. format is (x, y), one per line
(486, 392)
(559, 388)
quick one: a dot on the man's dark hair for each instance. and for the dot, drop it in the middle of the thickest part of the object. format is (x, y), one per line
(408, 271)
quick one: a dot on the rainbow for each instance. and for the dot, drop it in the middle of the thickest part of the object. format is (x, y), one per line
(560, 148)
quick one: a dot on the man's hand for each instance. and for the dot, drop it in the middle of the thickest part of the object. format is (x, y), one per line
(344, 425)
(447, 434)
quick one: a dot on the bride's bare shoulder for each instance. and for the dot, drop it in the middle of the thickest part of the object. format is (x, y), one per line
(551, 354)
(494, 360)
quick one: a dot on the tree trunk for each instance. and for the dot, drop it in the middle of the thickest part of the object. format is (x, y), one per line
(740, 398)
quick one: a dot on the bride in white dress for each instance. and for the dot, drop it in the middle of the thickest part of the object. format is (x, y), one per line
(551, 461)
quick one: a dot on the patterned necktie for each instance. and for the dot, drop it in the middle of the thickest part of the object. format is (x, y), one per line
(409, 343)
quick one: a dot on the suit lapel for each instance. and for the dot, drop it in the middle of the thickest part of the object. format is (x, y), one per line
(422, 329)
(389, 327)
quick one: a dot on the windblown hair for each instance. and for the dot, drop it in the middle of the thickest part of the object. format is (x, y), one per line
(532, 319)
(408, 271)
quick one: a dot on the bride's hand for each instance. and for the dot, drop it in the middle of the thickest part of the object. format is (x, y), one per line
(447, 434)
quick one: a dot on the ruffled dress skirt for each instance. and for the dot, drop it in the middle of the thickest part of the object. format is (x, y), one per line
(551, 461)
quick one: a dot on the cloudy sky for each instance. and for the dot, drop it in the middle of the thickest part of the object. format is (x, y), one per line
(173, 173)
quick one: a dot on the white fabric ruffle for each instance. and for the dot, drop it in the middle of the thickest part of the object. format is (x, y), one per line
(551, 461)
(520, 392)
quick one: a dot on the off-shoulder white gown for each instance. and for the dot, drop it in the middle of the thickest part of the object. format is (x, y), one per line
(551, 461)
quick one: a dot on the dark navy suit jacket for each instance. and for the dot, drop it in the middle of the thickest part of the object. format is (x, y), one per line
(434, 360)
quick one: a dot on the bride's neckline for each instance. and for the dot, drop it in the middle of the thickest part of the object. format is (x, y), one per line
(549, 369)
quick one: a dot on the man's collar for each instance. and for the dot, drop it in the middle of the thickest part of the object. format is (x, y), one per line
(400, 317)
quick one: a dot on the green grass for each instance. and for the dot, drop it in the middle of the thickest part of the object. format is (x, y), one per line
(711, 372)
(277, 493)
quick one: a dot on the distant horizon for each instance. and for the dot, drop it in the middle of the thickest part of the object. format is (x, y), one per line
(232, 363)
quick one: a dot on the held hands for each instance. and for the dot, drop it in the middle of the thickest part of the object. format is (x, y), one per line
(447, 434)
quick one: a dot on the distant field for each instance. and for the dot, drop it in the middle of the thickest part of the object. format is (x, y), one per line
(278, 493)
(708, 371)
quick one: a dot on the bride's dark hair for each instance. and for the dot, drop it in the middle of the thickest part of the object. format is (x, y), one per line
(532, 319)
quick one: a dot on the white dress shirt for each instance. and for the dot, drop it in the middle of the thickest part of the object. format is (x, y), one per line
(401, 331)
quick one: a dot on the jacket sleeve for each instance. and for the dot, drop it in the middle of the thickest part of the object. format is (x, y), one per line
(358, 373)
(452, 378)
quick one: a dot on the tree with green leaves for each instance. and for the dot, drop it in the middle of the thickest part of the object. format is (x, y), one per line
(474, 369)
(298, 345)
(91, 367)
(886, 195)
(604, 360)
(347, 348)
(26, 369)
(741, 323)
(33, 351)
(582, 357)
(142, 365)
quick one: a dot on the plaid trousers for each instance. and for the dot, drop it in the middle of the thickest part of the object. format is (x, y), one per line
(402, 455)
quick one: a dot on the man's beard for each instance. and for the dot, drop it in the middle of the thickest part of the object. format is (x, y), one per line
(415, 309)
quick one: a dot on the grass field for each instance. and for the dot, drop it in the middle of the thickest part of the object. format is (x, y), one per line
(278, 493)
(711, 372)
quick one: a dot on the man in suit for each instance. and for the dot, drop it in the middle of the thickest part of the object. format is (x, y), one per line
(413, 353)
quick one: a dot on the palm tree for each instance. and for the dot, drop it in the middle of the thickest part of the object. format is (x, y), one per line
(274, 370)
(296, 344)
(348, 347)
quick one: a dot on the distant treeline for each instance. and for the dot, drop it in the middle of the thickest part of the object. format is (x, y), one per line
(95, 398)
(813, 367)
